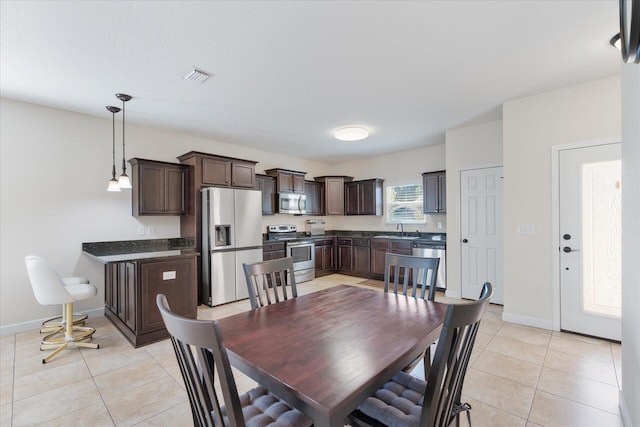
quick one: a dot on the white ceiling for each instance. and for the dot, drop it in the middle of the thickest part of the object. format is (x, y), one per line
(286, 74)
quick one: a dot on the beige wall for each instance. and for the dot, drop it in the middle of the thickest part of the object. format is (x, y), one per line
(531, 126)
(630, 244)
(466, 148)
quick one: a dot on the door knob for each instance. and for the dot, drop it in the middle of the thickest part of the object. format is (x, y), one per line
(568, 249)
(464, 240)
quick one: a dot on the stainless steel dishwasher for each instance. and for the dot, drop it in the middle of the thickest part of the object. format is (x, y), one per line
(427, 249)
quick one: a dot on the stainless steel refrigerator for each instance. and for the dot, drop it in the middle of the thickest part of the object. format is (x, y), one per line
(231, 236)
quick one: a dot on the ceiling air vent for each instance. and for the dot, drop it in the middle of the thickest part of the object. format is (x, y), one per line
(196, 76)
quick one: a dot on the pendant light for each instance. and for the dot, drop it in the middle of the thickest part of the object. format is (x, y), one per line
(113, 183)
(123, 180)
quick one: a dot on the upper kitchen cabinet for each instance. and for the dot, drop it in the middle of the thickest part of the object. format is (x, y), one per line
(158, 188)
(333, 193)
(434, 187)
(228, 172)
(315, 197)
(267, 185)
(288, 181)
(363, 197)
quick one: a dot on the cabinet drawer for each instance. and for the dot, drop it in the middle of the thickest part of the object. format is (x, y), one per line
(344, 242)
(324, 242)
(362, 242)
(380, 244)
(271, 247)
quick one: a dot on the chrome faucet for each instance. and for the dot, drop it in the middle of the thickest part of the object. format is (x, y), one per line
(401, 228)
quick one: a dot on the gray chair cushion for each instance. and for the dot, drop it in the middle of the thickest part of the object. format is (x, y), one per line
(261, 408)
(398, 402)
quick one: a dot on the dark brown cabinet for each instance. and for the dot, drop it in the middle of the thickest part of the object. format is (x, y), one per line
(288, 181)
(345, 255)
(267, 185)
(333, 193)
(354, 256)
(363, 197)
(361, 257)
(434, 187)
(325, 254)
(315, 197)
(273, 250)
(158, 188)
(130, 295)
(380, 248)
(225, 172)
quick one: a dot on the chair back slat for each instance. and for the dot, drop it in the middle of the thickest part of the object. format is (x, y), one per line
(408, 273)
(201, 354)
(271, 281)
(446, 377)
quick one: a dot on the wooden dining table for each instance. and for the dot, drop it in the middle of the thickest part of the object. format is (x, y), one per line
(325, 352)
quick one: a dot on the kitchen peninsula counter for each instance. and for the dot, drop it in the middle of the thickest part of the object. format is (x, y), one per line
(138, 270)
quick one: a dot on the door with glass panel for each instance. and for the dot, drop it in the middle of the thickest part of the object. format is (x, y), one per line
(590, 252)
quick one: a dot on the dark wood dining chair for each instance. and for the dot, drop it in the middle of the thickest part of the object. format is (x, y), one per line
(412, 276)
(409, 401)
(270, 281)
(201, 353)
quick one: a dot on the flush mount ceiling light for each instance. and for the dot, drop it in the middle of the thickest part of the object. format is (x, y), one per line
(196, 76)
(352, 133)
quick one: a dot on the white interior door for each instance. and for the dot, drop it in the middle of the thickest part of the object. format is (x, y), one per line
(590, 250)
(481, 232)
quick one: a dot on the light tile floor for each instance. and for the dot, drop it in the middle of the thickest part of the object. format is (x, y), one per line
(519, 376)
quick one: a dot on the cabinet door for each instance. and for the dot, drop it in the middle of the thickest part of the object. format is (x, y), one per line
(334, 194)
(243, 175)
(314, 192)
(442, 193)
(345, 254)
(361, 260)
(267, 185)
(369, 198)
(130, 296)
(351, 198)
(111, 287)
(298, 183)
(430, 197)
(174, 191)
(285, 182)
(216, 172)
(174, 279)
(152, 189)
(379, 249)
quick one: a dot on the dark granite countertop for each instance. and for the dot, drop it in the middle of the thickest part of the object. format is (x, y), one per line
(140, 250)
(439, 238)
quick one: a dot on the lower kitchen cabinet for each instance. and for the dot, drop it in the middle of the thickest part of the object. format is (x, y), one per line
(325, 254)
(345, 255)
(273, 250)
(379, 250)
(131, 289)
(361, 257)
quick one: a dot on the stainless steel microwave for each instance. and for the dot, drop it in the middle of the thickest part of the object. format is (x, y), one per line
(291, 203)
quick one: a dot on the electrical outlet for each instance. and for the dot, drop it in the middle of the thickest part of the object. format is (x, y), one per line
(439, 225)
(151, 230)
(141, 230)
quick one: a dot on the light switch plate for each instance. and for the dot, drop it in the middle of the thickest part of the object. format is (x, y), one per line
(151, 229)
(524, 229)
(141, 230)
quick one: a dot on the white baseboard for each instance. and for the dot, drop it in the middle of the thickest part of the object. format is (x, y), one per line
(536, 322)
(36, 324)
(624, 411)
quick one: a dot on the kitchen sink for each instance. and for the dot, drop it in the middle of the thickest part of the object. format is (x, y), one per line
(397, 237)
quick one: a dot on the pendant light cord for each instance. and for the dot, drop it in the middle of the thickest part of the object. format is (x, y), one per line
(113, 133)
(124, 165)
